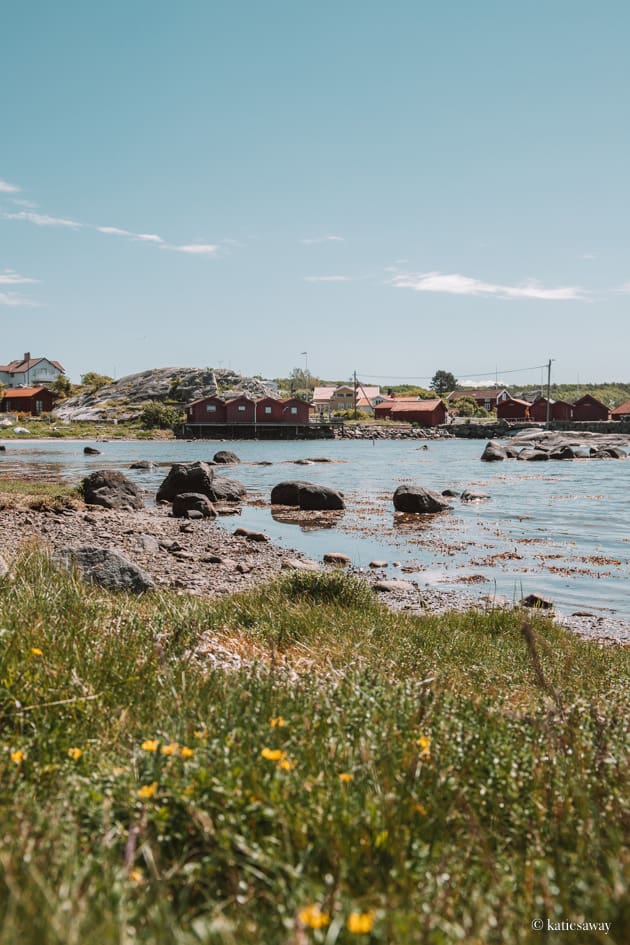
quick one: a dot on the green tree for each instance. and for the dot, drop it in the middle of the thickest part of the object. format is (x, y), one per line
(156, 416)
(94, 380)
(443, 382)
(62, 387)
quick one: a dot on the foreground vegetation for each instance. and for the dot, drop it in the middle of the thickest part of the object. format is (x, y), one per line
(360, 777)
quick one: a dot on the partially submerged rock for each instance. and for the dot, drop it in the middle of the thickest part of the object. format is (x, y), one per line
(226, 456)
(186, 477)
(307, 496)
(494, 452)
(187, 502)
(418, 500)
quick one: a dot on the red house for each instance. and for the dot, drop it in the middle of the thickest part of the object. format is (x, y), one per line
(589, 408)
(269, 410)
(33, 400)
(558, 410)
(426, 413)
(206, 410)
(622, 412)
(513, 409)
(240, 410)
(295, 410)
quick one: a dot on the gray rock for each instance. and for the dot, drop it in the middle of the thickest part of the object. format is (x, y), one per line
(418, 500)
(608, 452)
(533, 456)
(337, 558)
(287, 493)
(250, 535)
(106, 568)
(378, 564)
(143, 464)
(562, 452)
(222, 489)
(393, 586)
(225, 456)
(149, 543)
(313, 497)
(187, 502)
(538, 601)
(449, 493)
(112, 490)
(468, 495)
(295, 564)
(494, 452)
(186, 477)
(91, 451)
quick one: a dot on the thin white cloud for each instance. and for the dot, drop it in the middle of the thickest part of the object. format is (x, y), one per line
(7, 188)
(15, 300)
(456, 284)
(20, 202)
(195, 249)
(112, 231)
(329, 238)
(10, 277)
(148, 237)
(327, 279)
(41, 219)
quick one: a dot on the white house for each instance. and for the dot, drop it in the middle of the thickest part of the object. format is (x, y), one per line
(31, 372)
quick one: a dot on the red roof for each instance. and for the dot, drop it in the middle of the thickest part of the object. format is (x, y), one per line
(622, 409)
(20, 367)
(15, 392)
(417, 406)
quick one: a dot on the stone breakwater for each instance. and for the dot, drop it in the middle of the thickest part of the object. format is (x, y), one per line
(371, 431)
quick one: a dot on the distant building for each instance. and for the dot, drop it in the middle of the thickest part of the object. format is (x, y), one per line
(558, 410)
(426, 413)
(589, 408)
(33, 400)
(327, 400)
(512, 408)
(244, 409)
(30, 371)
(487, 397)
(622, 412)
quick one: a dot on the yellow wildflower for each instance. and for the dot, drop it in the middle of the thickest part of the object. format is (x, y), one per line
(424, 743)
(278, 722)
(170, 749)
(187, 752)
(147, 790)
(287, 764)
(420, 809)
(136, 876)
(360, 922)
(17, 757)
(189, 790)
(200, 733)
(313, 917)
(272, 754)
(151, 744)
(75, 753)
(346, 778)
(35, 651)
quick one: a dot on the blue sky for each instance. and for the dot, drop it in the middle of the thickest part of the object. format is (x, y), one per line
(392, 187)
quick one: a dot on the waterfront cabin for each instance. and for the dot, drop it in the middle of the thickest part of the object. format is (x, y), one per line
(295, 410)
(487, 397)
(206, 410)
(589, 408)
(511, 408)
(33, 400)
(240, 409)
(622, 412)
(558, 410)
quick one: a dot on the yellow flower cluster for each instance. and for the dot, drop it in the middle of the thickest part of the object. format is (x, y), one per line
(360, 923)
(280, 757)
(75, 753)
(35, 651)
(424, 743)
(172, 749)
(147, 791)
(278, 722)
(17, 756)
(313, 917)
(346, 778)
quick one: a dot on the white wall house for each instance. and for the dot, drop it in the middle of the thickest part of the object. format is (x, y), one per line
(30, 372)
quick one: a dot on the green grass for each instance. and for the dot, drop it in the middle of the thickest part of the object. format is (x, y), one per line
(39, 428)
(485, 769)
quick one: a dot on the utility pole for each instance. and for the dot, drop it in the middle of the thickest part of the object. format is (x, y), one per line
(549, 389)
(355, 395)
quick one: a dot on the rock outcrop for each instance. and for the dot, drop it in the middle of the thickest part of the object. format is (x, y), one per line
(111, 490)
(307, 496)
(418, 500)
(107, 568)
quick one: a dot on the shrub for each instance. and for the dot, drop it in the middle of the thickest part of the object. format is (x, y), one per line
(159, 416)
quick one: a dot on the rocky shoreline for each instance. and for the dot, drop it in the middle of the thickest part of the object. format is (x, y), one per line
(208, 557)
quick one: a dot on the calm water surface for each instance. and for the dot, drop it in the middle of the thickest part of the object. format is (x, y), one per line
(561, 529)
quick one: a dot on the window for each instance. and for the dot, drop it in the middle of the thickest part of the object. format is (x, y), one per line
(293, 409)
(241, 408)
(267, 409)
(39, 406)
(211, 408)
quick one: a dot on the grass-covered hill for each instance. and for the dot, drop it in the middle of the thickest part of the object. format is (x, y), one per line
(347, 775)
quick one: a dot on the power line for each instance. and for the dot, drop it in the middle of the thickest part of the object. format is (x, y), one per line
(428, 377)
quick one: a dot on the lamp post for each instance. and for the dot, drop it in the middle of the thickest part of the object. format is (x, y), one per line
(305, 354)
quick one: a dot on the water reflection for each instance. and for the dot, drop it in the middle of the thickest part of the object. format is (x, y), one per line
(307, 521)
(413, 522)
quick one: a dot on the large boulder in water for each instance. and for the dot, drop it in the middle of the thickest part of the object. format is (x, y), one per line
(419, 500)
(186, 477)
(225, 456)
(107, 568)
(111, 490)
(222, 489)
(493, 452)
(308, 496)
